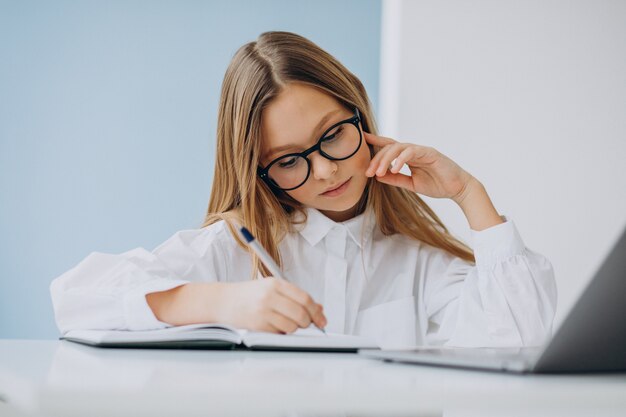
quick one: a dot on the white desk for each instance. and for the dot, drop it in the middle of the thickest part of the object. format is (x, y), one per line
(53, 378)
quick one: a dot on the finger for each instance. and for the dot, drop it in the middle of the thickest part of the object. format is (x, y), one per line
(374, 163)
(414, 155)
(304, 299)
(398, 180)
(318, 317)
(377, 140)
(281, 323)
(402, 159)
(385, 161)
(294, 311)
(419, 155)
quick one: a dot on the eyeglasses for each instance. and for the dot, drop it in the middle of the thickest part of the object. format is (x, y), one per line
(339, 142)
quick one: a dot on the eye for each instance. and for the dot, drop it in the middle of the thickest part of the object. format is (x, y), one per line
(336, 133)
(287, 163)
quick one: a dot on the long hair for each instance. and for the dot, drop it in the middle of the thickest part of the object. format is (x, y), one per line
(256, 75)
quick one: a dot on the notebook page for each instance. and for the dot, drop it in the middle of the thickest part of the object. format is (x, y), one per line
(175, 333)
(310, 337)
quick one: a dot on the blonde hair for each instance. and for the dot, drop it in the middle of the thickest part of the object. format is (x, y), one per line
(256, 75)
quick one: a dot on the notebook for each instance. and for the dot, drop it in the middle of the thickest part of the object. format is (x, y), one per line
(221, 336)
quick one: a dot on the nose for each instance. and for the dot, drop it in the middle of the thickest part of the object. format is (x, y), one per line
(321, 167)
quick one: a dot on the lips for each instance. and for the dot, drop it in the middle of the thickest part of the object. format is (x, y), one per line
(336, 186)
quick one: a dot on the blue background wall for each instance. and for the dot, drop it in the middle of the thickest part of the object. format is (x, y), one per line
(107, 119)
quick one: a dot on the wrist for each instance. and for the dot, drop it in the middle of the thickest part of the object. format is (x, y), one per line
(472, 185)
(196, 302)
(477, 206)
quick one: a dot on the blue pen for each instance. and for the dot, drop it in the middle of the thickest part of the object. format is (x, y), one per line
(265, 257)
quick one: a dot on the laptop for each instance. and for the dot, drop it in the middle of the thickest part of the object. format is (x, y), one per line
(592, 338)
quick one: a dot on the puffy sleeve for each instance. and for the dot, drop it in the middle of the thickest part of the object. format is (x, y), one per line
(508, 299)
(108, 292)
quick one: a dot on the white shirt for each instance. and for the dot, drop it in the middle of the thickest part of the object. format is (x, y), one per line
(398, 290)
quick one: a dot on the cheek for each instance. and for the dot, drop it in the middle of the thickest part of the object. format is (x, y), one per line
(363, 157)
(303, 193)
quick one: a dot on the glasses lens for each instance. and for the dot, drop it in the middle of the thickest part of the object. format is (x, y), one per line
(289, 171)
(342, 141)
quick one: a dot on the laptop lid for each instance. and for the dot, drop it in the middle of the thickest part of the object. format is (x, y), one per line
(593, 335)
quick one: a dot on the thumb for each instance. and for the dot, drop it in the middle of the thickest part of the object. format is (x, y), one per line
(397, 180)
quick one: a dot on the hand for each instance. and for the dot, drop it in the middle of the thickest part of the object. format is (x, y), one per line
(270, 305)
(432, 173)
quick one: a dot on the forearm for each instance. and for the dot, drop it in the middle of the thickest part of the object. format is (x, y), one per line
(477, 207)
(196, 302)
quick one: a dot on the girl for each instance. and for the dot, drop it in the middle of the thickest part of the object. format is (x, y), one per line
(299, 163)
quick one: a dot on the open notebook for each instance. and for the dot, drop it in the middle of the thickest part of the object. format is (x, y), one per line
(220, 336)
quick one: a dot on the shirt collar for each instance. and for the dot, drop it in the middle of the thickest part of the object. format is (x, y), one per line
(318, 226)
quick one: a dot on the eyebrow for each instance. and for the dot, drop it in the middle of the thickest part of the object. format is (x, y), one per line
(317, 129)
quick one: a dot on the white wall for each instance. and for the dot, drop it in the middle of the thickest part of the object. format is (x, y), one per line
(529, 97)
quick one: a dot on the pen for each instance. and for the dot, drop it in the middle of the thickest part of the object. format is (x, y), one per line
(265, 257)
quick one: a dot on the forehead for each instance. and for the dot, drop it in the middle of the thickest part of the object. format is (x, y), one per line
(291, 118)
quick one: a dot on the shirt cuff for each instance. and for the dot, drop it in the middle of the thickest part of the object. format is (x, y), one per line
(137, 313)
(496, 243)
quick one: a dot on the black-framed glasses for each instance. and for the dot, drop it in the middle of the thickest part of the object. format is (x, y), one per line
(340, 141)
